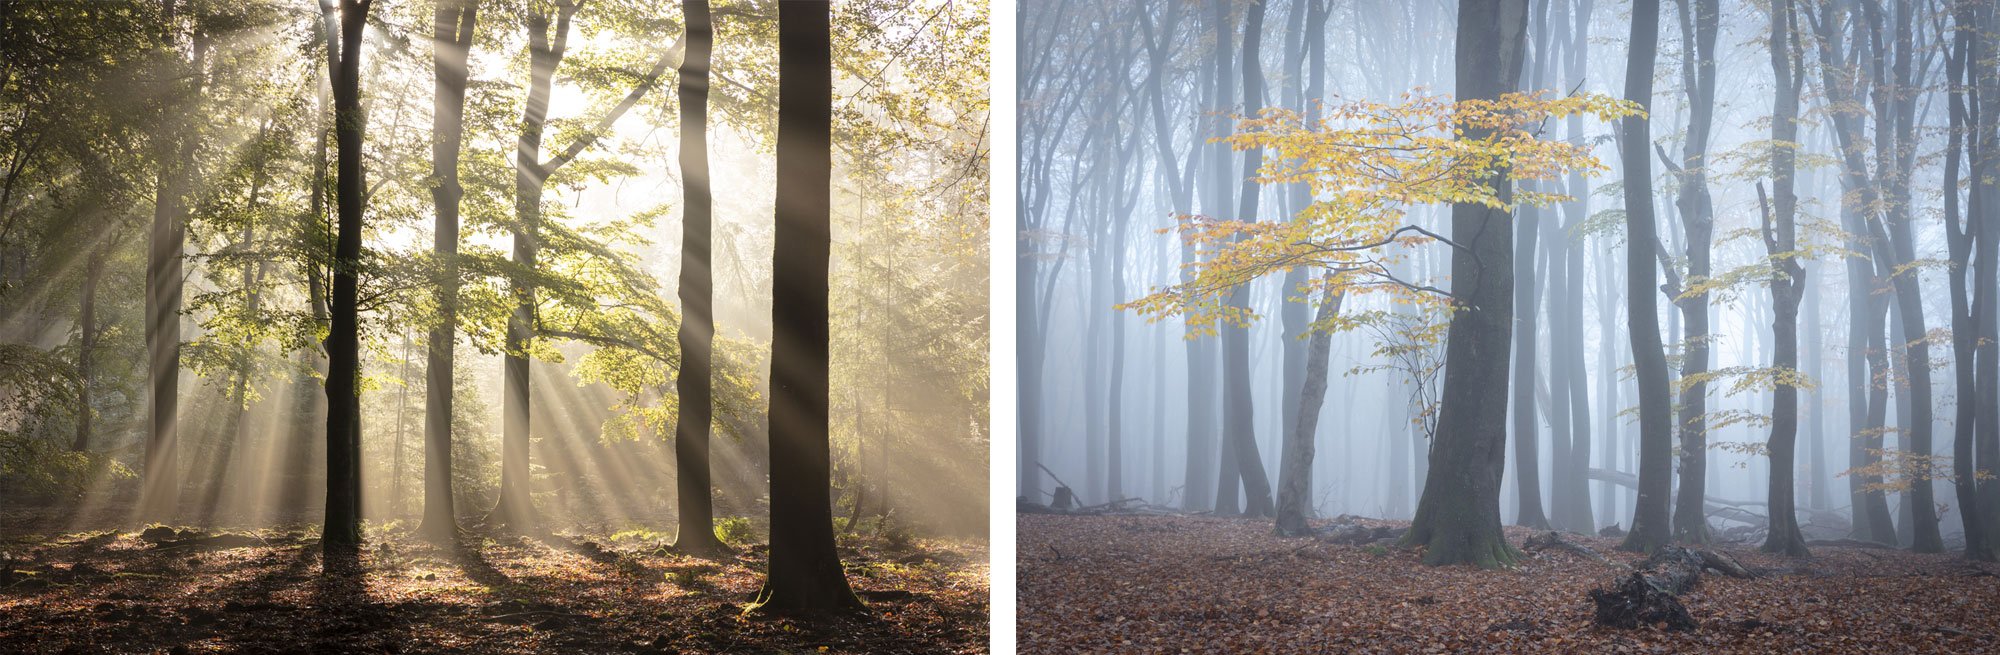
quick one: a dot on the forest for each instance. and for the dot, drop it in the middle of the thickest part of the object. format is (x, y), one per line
(1508, 325)
(493, 326)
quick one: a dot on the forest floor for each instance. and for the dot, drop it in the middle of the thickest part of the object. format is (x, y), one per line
(1141, 583)
(264, 592)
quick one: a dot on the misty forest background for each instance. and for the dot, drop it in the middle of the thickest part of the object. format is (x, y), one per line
(1762, 309)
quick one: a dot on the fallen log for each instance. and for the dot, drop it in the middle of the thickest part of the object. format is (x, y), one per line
(1650, 594)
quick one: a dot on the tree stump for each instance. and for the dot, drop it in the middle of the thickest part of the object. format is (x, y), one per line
(1650, 594)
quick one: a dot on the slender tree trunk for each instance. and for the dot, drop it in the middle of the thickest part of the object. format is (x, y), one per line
(453, 25)
(1959, 237)
(1458, 516)
(1239, 427)
(693, 382)
(1295, 476)
(1698, 26)
(86, 350)
(516, 507)
(342, 533)
(1650, 528)
(160, 495)
(805, 572)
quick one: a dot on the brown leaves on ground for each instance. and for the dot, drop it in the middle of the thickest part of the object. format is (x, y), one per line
(183, 592)
(1101, 584)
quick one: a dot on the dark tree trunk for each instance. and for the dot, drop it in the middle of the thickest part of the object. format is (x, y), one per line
(453, 25)
(1699, 25)
(1780, 240)
(342, 533)
(1983, 204)
(693, 425)
(1959, 237)
(86, 350)
(1865, 362)
(1650, 518)
(1527, 457)
(805, 572)
(1458, 516)
(1239, 427)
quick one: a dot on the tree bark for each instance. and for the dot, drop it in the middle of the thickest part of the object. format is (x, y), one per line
(1650, 518)
(453, 24)
(342, 534)
(1458, 516)
(1698, 25)
(693, 382)
(805, 572)
(1295, 475)
(1239, 427)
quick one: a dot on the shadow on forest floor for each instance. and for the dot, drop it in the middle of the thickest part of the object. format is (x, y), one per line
(268, 592)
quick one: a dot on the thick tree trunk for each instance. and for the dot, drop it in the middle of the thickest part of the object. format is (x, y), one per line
(805, 572)
(1458, 516)
(1959, 237)
(342, 533)
(86, 351)
(1780, 241)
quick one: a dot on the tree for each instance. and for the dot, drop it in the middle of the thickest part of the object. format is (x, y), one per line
(1525, 423)
(805, 572)
(1780, 234)
(1650, 518)
(453, 25)
(692, 382)
(167, 245)
(1458, 515)
(342, 533)
(548, 43)
(1698, 30)
(1960, 237)
(1238, 426)
(1367, 164)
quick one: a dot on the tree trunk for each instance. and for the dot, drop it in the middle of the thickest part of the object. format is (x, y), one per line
(342, 533)
(1239, 427)
(1650, 518)
(693, 381)
(1697, 213)
(805, 572)
(86, 349)
(160, 494)
(516, 507)
(453, 25)
(1959, 238)
(1458, 516)
(1295, 475)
